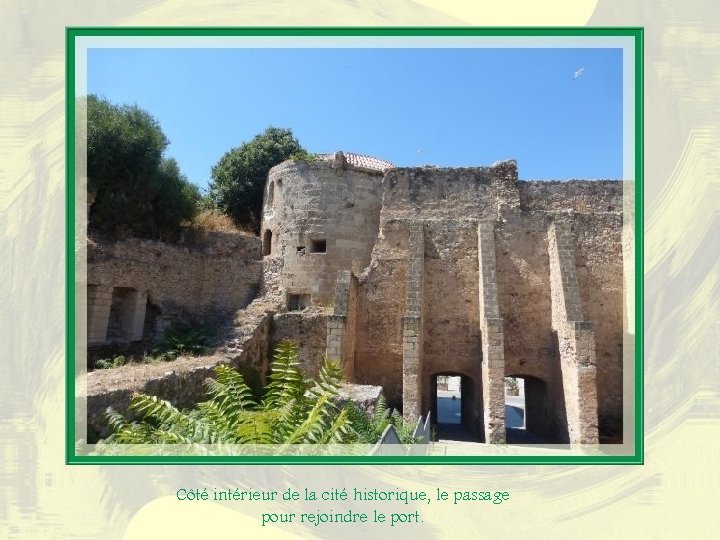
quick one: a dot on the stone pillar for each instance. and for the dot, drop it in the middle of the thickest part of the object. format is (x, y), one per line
(99, 299)
(493, 342)
(340, 344)
(335, 343)
(413, 327)
(576, 338)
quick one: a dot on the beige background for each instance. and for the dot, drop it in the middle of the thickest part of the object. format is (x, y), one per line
(674, 495)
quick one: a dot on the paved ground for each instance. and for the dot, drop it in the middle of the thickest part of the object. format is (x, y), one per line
(449, 429)
(522, 436)
(453, 433)
(448, 408)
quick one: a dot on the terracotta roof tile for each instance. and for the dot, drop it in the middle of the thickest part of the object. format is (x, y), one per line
(363, 161)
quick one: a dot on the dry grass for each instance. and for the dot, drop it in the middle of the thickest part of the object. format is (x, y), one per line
(214, 221)
(581, 205)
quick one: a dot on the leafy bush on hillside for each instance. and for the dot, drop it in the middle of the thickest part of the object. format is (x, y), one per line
(136, 190)
(238, 178)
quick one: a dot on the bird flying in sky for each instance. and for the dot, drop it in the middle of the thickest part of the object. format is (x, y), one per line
(578, 73)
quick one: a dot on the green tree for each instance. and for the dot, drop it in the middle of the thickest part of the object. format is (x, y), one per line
(137, 191)
(239, 176)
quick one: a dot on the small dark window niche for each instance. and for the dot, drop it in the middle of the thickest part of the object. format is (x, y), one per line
(267, 243)
(318, 246)
(298, 302)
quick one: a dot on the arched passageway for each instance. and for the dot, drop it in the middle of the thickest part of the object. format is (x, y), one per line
(527, 411)
(455, 407)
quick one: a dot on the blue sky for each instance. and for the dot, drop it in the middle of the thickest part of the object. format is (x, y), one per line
(445, 107)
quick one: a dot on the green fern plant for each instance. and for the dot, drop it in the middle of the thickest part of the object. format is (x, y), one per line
(295, 410)
(369, 427)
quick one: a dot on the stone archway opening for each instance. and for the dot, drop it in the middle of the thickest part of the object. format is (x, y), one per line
(527, 411)
(454, 407)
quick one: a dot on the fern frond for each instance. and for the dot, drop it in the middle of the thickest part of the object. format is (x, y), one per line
(381, 414)
(220, 428)
(361, 424)
(229, 393)
(116, 421)
(286, 380)
(255, 428)
(166, 423)
(340, 430)
(156, 409)
(312, 428)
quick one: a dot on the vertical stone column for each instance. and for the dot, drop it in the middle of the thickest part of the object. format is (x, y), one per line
(99, 299)
(413, 327)
(493, 342)
(340, 343)
(576, 338)
(335, 342)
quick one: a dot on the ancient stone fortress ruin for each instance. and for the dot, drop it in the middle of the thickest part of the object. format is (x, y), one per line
(404, 274)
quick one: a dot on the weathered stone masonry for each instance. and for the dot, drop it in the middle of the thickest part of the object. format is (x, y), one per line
(493, 366)
(341, 324)
(404, 274)
(576, 340)
(455, 275)
(413, 327)
(207, 281)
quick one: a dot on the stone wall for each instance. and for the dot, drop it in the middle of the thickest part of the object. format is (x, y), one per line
(577, 422)
(449, 204)
(180, 381)
(203, 282)
(437, 193)
(599, 267)
(342, 324)
(582, 196)
(380, 307)
(523, 278)
(308, 329)
(452, 325)
(408, 275)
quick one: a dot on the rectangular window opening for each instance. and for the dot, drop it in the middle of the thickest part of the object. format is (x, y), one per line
(298, 302)
(318, 246)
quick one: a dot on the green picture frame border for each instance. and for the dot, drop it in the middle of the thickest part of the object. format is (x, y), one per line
(72, 33)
